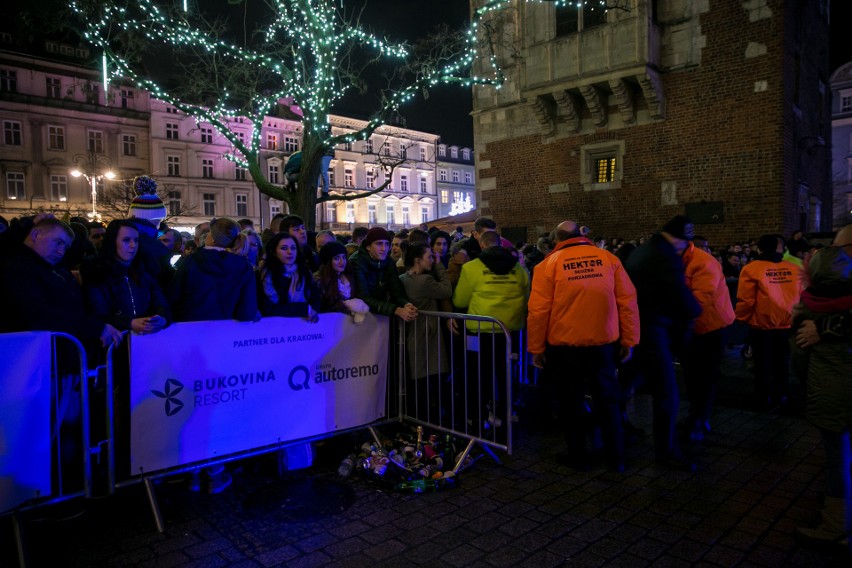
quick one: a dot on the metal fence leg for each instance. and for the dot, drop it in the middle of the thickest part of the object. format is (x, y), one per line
(18, 528)
(155, 507)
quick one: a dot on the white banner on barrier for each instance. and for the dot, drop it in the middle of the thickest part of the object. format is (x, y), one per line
(205, 389)
(24, 417)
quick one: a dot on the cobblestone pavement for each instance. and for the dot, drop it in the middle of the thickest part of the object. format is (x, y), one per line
(759, 477)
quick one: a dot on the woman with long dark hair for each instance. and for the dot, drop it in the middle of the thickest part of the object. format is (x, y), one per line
(117, 287)
(286, 285)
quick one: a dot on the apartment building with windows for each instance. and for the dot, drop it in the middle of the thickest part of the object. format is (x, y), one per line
(841, 144)
(456, 180)
(56, 118)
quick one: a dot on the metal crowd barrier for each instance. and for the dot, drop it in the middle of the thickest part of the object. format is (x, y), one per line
(457, 376)
(69, 386)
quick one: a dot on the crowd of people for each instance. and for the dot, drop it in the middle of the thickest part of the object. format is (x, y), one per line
(616, 313)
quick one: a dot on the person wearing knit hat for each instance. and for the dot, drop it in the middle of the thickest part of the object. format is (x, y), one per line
(376, 278)
(375, 234)
(147, 204)
(331, 249)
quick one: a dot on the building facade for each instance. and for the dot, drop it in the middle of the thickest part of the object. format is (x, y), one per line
(841, 144)
(56, 120)
(622, 118)
(456, 180)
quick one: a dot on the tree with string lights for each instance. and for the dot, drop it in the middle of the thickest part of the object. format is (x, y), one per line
(311, 53)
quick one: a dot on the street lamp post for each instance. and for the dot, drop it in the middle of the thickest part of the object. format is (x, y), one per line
(87, 166)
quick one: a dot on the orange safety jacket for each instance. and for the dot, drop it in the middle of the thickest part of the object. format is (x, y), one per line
(581, 296)
(766, 294)
(705, 279)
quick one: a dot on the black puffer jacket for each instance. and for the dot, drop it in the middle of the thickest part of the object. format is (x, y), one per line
(117, 294)
(377, 283)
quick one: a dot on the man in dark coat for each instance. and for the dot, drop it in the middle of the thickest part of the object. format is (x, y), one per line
(666, 311)
(376, 279)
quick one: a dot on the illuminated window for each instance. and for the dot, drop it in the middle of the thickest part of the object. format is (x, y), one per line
(605, 170)
(271, 141)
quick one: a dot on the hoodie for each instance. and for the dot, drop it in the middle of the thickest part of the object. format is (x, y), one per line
(493, 285)
(213, 284)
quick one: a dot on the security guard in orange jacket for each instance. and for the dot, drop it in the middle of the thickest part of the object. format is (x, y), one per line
(768, 289)
(703, 356)
(582, 318)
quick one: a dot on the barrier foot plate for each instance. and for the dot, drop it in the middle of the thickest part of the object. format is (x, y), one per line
(155, 507)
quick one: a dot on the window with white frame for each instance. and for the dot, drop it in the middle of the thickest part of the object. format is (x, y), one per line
(241, 136)
(242, 204)
(8, 81)
(454, 153)
(442, 150)
(845, 102)
(92, 96)
(424, 184)
(171, 110)
(445, 196)
(173, 166)
(424, 214)
(174, 203)
(368, 146)
(371, 178)
(574, 18)
(442, 174)
(206, 168)
(350, 212)
(95, 141)
(371, 214)
(209, 203)
(403, 182)
(59, 188)
(126, 96)
(54, 87)
(347, 146)
(291, 143)
(406, 215)
(12, 133)
(206, 135)
(331, 212)
(468, 178)
(403, 150)
(389, 214)
(465, 154)
(422, 153)
(272, 141)
(274, 209)
(240, 173)
(331, 182)
(348, 176)
(172, 131)
(455, 176)
(386, 149)
(273, 171)
(56, 137)
(128, 144)
(458, 196)
(15, 186)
